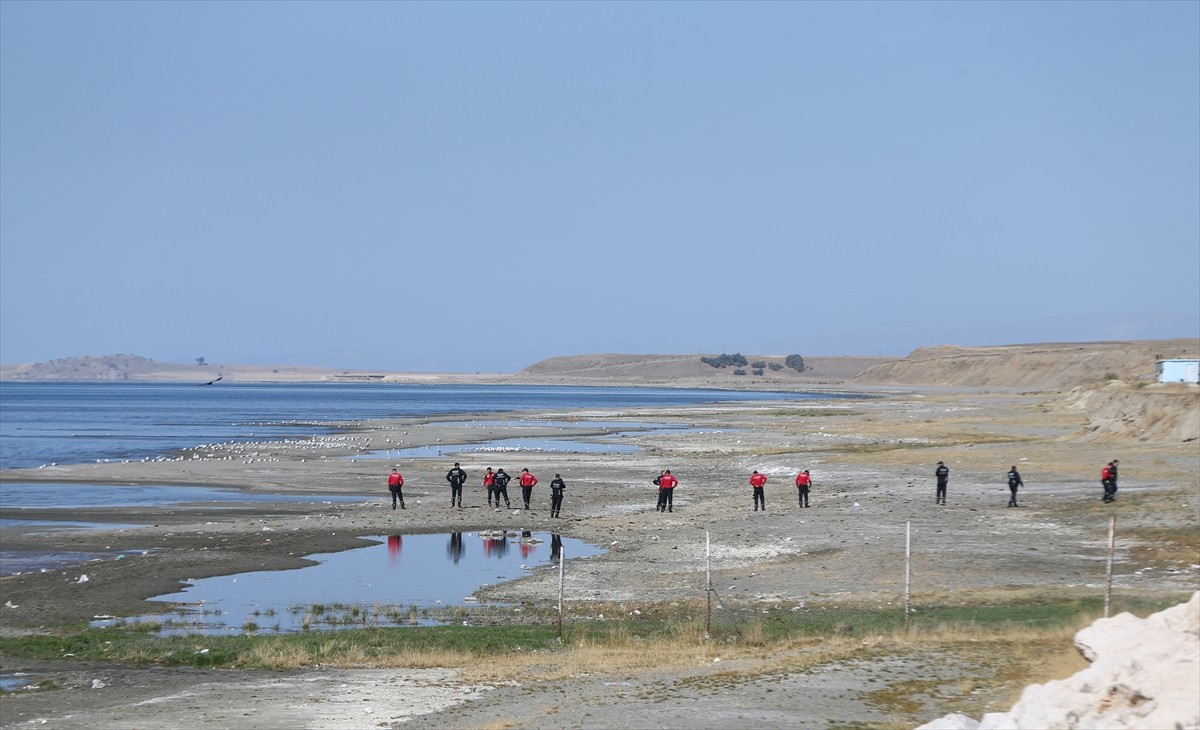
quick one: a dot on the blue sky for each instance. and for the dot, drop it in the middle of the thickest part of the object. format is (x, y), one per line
(476, 186)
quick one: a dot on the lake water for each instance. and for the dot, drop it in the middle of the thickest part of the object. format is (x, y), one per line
(403, 580)
(72, 423)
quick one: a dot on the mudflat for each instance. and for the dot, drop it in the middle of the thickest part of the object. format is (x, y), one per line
(871, 457)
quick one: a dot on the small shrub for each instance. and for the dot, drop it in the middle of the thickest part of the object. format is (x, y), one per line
(739, 371)
(775, 366)
(757, 371)
(795, 362)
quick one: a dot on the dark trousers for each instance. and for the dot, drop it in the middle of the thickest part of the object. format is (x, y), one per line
(491, 491)
(666, 500)
(526, 493)
(397, 496)
(555, 503)
(455, 494)
(759, 498)
(501, 492)
(941, 494)
(1012, 501)
(1110, 489)
(803, 496)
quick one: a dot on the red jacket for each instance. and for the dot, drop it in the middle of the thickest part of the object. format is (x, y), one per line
(395, 480)
(528, 479)
(1105, 473)
(803, 480)
(667, 481)
(488, 478)
(758, 480)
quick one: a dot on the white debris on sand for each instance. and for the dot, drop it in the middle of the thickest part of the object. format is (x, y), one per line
(1144, 676)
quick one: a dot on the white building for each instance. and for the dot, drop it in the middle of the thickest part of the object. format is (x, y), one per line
(1178, 370)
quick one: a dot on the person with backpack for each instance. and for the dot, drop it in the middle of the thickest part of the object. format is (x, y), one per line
(395, 486)
(666, 491)
(556, 495)
(803, 482)
(528, 481)
(489, 478)
(1014, 482)
(758, 481)
(500, 487)
(942, 472)
(457, 477)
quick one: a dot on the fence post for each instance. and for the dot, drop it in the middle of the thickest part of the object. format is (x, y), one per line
(707, 584)
(561, 563)
(907, 569)
(1112, 539)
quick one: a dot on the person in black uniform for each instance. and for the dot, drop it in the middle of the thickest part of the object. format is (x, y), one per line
(556, 494)
(1014, 483)
(500, 487)
(457, 477)
(942, 472)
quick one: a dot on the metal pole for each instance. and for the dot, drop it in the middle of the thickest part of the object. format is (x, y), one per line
(561, 563)
(907, 569)
(1112, 539)
(707, 584)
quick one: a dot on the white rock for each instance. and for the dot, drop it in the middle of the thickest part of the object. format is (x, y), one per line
(1143, 676)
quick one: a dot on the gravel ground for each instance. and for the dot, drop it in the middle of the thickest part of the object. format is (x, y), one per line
(872, 460)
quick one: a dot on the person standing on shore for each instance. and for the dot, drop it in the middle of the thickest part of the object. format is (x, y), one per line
(500, 487)
(758, 481)
(803, 482)
(942, 472)
(1108, 477)
(666, 491)
(489, 478)
(457, 477)
(396, 486)
(1014, 483)
(556, 495)
(528, 481)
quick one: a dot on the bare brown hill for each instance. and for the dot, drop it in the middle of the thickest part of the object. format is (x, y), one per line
(1049, 367)
(689, 370)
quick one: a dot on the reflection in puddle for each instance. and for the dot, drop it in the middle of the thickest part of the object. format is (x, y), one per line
(404, 580)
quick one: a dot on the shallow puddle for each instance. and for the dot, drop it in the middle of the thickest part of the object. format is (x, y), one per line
(502, 446)
(402, 580)
(51, 495)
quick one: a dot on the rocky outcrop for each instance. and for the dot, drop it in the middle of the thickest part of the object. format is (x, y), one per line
(1156, 412)
(1145, 675)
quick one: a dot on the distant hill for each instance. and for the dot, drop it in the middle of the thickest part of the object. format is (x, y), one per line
(689, 370)
(1046, 366)
(137, 368)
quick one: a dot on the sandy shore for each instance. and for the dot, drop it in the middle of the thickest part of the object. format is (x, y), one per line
(872, 460)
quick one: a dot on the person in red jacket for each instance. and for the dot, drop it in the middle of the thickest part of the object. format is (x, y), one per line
(528, 480)
(758, 481)
(803, 482)
(666, 491)
(489, 478)
(395, 486)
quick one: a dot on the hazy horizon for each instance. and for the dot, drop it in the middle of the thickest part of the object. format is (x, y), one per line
(474, 187)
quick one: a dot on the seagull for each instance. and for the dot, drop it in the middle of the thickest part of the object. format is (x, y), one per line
(214, 380)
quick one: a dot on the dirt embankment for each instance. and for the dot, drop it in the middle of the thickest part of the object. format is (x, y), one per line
(1044, 367)
(1168, 412)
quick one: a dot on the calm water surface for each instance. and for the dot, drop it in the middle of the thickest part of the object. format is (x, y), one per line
(70, 423)
(374, 585)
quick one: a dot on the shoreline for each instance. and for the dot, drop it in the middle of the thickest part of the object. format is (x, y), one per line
(872, 463)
